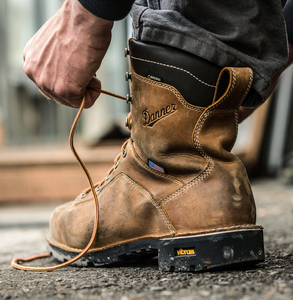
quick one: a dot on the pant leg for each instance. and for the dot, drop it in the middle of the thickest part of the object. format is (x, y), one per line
(228, 33)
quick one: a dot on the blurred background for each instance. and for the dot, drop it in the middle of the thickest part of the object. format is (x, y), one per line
(35, 160)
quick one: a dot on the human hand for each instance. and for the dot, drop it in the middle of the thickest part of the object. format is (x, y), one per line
(64, 55)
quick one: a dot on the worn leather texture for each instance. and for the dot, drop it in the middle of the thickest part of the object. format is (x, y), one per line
(205, 187)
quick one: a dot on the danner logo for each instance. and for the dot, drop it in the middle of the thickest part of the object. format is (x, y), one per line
(185, 252)
(151, 118)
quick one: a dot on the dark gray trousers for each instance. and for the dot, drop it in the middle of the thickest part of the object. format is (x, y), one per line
(242, 33)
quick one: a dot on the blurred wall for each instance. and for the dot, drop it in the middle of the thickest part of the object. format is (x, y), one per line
(26, 117)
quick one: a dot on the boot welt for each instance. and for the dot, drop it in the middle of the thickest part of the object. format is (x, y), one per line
(191, 253)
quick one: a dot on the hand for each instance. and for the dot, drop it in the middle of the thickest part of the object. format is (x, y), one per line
(64, 55)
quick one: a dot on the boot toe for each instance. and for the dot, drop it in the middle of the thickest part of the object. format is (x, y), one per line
(71, 225)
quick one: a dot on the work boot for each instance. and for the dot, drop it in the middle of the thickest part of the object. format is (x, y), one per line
(176, 190)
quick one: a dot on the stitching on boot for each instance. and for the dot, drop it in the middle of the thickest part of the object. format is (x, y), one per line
(171, 89)
(242, 99)
(174, 67)
(223, 111)
(248, 87)
(83, 203)
(153, 201)
(153, 171)
(247, 226)
(65, 247)
(141, 191)
(212, 109)
(196, 142)
(229, 92)
(145, 194)
(203, 175)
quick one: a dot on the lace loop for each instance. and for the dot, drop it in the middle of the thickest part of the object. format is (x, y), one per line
(15, 261)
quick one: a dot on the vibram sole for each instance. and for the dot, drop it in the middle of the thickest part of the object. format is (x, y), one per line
(187, 253)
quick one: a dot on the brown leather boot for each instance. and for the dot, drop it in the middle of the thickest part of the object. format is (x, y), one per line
(176, 190)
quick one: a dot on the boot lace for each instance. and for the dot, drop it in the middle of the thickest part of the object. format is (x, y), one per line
(16, 261)
(98, 185)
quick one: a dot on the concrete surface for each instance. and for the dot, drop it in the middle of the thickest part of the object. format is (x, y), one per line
(22, 234)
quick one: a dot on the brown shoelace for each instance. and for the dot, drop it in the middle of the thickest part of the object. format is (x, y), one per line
(16, 261)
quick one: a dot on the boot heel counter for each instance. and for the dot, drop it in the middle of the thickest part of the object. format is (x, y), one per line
(222, 199)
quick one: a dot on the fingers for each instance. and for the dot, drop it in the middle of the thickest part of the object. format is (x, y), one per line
(91, 95)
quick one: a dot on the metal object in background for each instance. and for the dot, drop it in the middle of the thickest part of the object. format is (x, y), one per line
(282, 114)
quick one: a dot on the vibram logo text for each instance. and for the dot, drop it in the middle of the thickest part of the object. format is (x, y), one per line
(151, 118)
(185, 252)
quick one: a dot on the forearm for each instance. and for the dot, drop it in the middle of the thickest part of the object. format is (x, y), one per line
(111, 10)
(64, 55)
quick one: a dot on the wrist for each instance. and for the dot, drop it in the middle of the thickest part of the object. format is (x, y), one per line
(82, 21)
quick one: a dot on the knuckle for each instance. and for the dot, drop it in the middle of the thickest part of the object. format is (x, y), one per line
(67, 92)
(27, 69)
(60, 90)
(41, 82)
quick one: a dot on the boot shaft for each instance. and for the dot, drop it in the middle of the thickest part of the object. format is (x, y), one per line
(177, 136)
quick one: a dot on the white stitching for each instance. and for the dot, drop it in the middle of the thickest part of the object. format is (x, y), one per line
(170, 66)
(171, 89)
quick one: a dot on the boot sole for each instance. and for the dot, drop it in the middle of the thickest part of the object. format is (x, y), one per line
(188, 253)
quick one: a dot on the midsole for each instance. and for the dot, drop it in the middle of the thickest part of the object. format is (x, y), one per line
(51, 240)
(192, 253)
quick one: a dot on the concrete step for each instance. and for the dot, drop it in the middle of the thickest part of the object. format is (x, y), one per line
(51, 173)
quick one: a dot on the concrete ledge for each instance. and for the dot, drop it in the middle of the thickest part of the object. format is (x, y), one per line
(51, 174)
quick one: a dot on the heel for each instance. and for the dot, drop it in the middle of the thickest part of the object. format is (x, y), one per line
(214, 250)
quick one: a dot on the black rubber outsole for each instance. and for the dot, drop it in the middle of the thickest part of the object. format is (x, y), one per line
(191, 253)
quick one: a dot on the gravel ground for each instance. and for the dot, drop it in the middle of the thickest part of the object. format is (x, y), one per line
(272, 279)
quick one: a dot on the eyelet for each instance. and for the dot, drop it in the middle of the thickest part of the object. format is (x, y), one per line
(116, 165)
(82, 195)
(129, 98)
(97, 188)
(124, 153)
(108, 177)
(128, 76)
